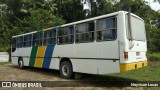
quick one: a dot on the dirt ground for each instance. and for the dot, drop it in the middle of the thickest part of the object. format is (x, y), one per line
(9, 72)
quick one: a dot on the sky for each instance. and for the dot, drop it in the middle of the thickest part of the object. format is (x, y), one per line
(154, 5)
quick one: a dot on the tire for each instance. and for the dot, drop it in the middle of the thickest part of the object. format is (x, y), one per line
(66, 70)
(20, 63)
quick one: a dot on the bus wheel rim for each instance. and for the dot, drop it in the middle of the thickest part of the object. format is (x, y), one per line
(65, 70)
(20, 64)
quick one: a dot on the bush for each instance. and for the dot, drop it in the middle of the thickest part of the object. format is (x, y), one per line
(153, 56)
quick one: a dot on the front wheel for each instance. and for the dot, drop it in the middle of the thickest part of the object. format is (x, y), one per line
(20, 63)
(66, 70)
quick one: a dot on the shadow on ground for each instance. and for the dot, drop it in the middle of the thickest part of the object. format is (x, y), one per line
(87, 80)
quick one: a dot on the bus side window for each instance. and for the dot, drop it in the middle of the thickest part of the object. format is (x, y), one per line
(85, 32)
(13, 44)
(37, 39)
(19, 42)
(106, 29)
(30, 40)
(49, 37)
(66, 35)
(25, 42)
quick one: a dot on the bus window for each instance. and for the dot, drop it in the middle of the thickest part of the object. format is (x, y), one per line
(49, 37)
(66, 35)
(106, 29)
(13, 44)
(37, 39)
(85, 32)
(19, 42)
(25, 42)
(30, 40)
(138, 33)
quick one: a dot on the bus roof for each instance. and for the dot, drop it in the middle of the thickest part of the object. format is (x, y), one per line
(78, 22)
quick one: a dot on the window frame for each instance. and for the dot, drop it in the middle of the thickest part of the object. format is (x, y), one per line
(35, 39)
(28, 40)
(25, 41)
(48, 38)
(107, 29)
(20, 42)
(14, 42)
(67, 35)
(92, 21)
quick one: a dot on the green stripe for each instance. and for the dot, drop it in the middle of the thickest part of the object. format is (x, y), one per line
(33, 55)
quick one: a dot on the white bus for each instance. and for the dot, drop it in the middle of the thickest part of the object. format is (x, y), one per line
(111, 43)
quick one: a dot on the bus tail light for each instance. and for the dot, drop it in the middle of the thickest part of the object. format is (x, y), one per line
(126, 55)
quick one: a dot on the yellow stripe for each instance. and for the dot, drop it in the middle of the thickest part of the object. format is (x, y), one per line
(131, 66)
(40, 53)
(47, 29)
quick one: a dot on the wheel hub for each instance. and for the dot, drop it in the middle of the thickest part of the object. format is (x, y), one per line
(65, 70)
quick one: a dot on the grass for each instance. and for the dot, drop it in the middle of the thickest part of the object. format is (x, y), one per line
(149, 73)
(3, 63)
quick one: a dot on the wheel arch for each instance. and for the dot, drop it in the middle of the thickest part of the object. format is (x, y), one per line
(65, 59)
(19, 58)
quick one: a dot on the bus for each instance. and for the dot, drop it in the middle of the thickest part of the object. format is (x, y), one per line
(111, 43)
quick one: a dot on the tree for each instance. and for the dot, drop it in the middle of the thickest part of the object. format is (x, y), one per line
(70, 10)
(26, 16)
(23, 16)
(157, 1)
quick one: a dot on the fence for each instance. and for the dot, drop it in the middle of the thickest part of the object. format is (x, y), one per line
(4, 57)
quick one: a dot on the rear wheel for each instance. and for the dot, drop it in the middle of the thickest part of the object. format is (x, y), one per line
(20, 63)
(66, 70)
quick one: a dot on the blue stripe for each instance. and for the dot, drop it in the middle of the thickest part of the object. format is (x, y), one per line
(47, 56)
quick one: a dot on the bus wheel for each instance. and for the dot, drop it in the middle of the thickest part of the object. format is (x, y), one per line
(66, 70)
(20, 63)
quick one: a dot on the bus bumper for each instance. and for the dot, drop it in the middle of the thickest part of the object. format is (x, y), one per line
(132, 66)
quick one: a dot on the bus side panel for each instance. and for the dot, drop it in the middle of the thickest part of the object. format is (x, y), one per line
(85, 66)
(65, 50)
(54, 63)
(85, 58)
(60, 51)
(78, 54)
(14, 57)
(85, 50)
(95, 66)
(108, 66)
(108, 50)
(21, 52)
(15, 60)
(26, 52)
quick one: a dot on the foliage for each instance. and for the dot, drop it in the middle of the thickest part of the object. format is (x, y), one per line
(21, 16)
(70, 10)
(153, 56)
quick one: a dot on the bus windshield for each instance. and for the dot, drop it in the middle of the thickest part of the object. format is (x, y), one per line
(137, 29)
